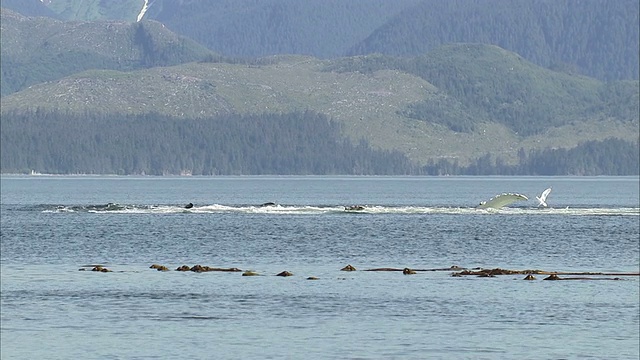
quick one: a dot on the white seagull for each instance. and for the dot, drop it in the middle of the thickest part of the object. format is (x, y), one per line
(543, 198)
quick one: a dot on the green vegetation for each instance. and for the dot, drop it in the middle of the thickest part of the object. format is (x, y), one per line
(592, 158)
(29, 8)
(597, 38)
(35, 50)
(497, 85)
(484, 83)
(296, 143)
(300, 143)
(393, 103)
(240, 28)
(429, 105)
(97, 9)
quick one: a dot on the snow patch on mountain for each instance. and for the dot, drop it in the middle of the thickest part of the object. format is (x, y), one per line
(144, 9)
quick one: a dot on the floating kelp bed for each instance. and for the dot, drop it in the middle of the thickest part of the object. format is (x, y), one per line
(460, 272)
(98, 268)
(456, 271)
(552, 275)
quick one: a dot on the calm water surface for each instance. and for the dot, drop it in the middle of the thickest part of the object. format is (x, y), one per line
(53, 226)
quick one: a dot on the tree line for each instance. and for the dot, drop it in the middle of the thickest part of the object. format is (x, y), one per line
(614, 157)
(298, 143)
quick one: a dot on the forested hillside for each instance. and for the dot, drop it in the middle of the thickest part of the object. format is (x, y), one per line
(392, 109)
(301, 143)
(482, 83)
(29, 8)
(598, 38)
(39, 49)
(248, 28)
(295, 143)
(591, 158)
(417, 106)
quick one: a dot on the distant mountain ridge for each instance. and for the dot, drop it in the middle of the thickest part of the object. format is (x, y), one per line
(29, 8)
(598, 38)
(455, 105)
(37, 49)
(389, 107)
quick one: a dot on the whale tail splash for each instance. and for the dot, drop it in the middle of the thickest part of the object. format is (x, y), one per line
(542, 199)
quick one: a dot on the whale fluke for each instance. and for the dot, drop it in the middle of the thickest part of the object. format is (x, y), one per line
(543, 198)
(502, 200)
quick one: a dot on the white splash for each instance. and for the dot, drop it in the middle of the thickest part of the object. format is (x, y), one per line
(369, 210)
(144, 9)
(542, 199)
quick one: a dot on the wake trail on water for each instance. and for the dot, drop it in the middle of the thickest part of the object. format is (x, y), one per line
(112, 208)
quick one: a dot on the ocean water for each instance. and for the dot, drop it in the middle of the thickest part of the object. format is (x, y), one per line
(53, 226)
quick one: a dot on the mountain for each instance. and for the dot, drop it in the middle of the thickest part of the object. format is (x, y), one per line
(250, 28)
(89, 10)
(457, 108)
(597, 38)
(29, 8)
(38, 49)
(409, 105)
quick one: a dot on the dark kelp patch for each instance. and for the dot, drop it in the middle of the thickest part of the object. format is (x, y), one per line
(552, 275)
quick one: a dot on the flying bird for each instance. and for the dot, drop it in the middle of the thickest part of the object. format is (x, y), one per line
(543, 198)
